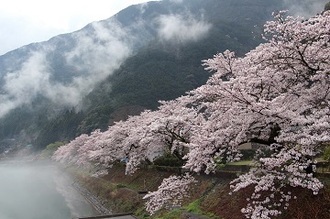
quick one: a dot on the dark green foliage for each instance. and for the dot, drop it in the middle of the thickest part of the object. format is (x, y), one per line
(63, 127)
(51, 148)
(55, 145)
(326, 153)
(18, 119)
(96, 118)
(168, 160)
(248, 154)
(154, 75)
(327, 7)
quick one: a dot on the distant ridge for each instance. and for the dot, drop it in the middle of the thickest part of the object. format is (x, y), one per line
(76, 82)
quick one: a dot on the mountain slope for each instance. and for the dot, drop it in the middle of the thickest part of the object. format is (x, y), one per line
(77, 82)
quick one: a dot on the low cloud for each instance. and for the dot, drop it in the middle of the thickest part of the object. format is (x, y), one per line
(305, 8)
(182, 28)
(100, 50)
(176, 1)
(143, 7)
(97, 54)
(25, 84)
(95, 57)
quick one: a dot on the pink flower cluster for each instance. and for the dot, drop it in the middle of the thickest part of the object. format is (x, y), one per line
(170, 193)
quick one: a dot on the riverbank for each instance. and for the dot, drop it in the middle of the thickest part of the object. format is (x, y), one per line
(92, 199)
(209, 197)
(80, 202)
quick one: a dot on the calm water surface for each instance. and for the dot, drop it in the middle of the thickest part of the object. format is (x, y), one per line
(39, 191)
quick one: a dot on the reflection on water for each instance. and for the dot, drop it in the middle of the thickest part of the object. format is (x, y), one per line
(39, 191)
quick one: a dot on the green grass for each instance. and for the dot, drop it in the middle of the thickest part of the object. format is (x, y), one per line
(193, 208)
(242, 162)
(174, 214)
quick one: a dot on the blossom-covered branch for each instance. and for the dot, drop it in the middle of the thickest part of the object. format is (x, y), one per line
(169, 194)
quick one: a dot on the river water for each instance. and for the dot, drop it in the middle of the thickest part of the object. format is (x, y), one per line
(39, 191)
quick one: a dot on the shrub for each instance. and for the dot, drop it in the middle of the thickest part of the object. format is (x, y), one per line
(168, 160)
(326, 154)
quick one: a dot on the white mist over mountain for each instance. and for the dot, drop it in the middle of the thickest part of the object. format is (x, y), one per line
(305, 8)
(24, 22)
(89, 56)
(182, 28)
(96, 54)
(92, 54)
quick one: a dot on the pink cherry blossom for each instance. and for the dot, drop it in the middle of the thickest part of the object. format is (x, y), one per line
(277, 94)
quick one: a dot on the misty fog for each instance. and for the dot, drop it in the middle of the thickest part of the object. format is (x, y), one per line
(96, 51)
(39, 191)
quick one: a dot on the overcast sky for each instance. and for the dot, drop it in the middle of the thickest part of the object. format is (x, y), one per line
(27, 21)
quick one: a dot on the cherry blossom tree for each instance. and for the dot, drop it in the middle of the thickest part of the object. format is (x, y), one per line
(277, 95)
(145, 137)
(139, 139)
(69, 153)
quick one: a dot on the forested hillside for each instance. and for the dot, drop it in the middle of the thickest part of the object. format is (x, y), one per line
(123, 65)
